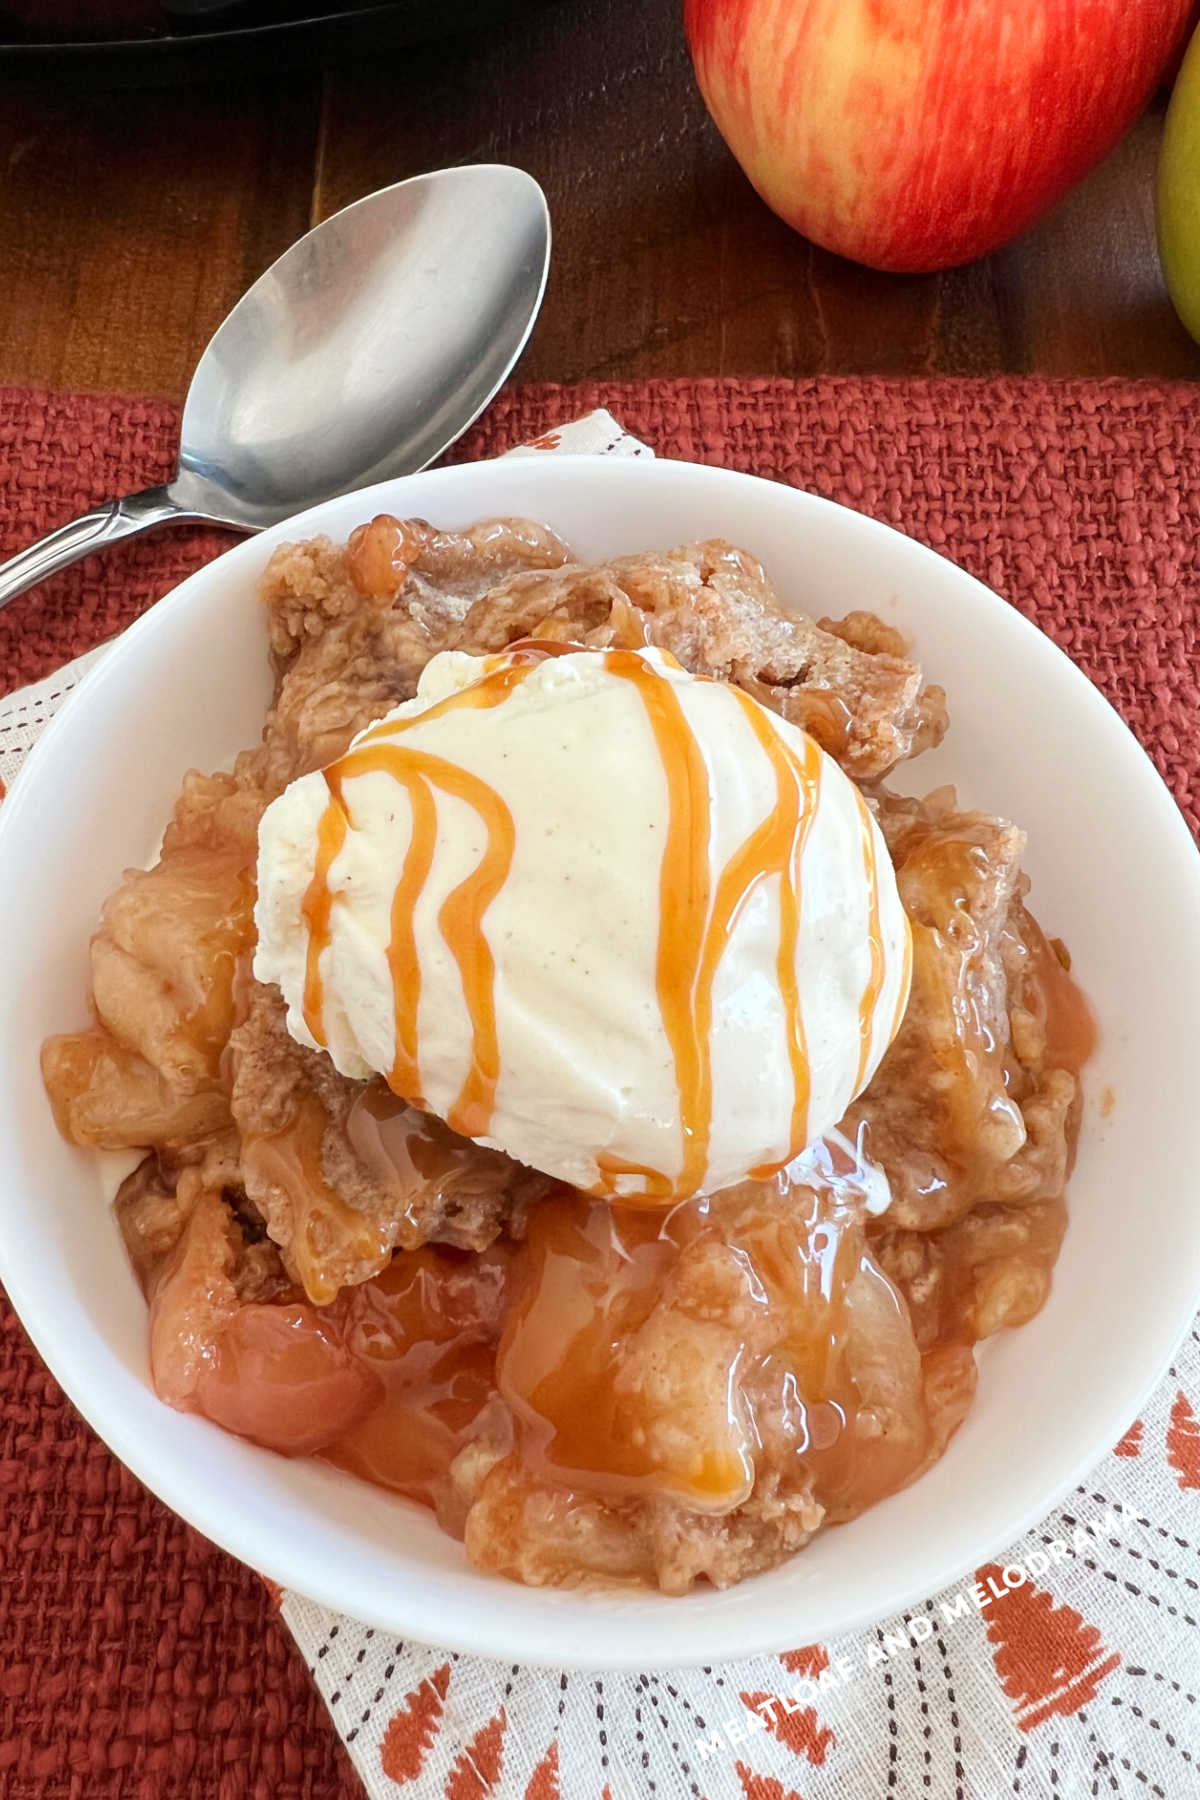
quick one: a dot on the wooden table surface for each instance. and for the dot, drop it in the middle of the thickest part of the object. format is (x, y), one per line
(132, 218)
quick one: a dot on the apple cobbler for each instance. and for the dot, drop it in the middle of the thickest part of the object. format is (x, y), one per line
(589, 1360)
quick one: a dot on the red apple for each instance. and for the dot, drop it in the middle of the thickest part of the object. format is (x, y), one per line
(915, 134)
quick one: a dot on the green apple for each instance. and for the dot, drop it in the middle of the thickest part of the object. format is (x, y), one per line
(1179, 192)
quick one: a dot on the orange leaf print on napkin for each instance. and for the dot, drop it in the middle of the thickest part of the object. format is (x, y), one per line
(411, 1731)
(810, 1660)
(478, 1768)
(1183, 1442)
(1131, 1443)
(763, 1787)
(1048, 1660)
(798, 1728)
(543, 1783)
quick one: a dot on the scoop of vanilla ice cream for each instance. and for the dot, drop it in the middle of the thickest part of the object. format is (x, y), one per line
(622, 923)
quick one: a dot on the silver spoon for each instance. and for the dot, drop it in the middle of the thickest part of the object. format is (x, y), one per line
(364, 352)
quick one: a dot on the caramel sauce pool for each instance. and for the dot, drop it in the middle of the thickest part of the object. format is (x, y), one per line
(620, 1352)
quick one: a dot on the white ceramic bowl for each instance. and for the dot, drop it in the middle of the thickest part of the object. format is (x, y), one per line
(1114, 872)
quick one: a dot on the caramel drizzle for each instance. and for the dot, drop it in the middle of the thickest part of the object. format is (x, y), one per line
(460, 918)
(785, 836)
(659, 1188)
(906, 975)
(317, 908)
(874, 987)
(695, 922)
(403, 964)
(684, 893)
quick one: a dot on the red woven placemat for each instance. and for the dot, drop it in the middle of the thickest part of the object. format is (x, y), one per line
(135, 1662)
(1080, 501)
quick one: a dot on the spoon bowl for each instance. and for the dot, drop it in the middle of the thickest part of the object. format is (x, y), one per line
(368, 348)
(361, 354)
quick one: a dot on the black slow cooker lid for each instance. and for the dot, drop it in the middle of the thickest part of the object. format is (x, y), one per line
(41, 28)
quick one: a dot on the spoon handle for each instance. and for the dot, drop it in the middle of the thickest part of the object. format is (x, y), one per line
(93, 530)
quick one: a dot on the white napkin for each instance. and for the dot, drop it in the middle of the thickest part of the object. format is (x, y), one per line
(1070, 1667)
